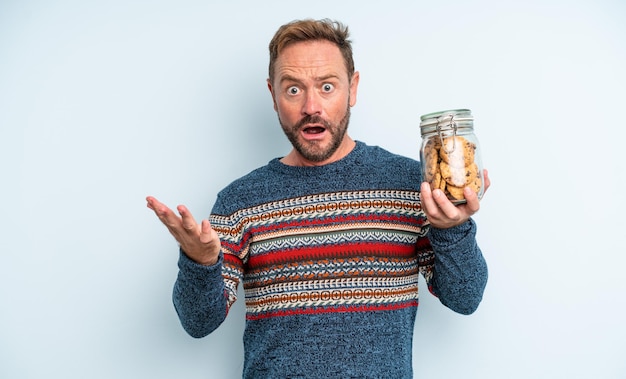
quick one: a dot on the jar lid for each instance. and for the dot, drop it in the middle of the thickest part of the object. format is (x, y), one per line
(459, 118)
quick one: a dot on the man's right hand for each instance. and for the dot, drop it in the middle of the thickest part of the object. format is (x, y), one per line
(200, 242)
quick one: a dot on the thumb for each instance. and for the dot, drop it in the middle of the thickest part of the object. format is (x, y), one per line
(206, 232)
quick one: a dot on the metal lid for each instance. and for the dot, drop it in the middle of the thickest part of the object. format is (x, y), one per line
(454, 119)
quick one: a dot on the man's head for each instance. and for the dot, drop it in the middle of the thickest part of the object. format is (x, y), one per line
(313, 85)
(312, 30)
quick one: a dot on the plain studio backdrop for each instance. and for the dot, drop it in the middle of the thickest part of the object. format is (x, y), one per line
(105, 102)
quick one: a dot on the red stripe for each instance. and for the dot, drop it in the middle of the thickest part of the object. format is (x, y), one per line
(334, 251)
(233, 259)
(341, 309)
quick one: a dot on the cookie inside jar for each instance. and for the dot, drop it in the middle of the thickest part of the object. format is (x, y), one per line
(450, 156)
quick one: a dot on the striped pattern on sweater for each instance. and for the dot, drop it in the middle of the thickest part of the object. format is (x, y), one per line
(329, 252)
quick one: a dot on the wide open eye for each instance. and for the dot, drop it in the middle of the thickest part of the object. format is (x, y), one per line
(293, 90)
(327, 87)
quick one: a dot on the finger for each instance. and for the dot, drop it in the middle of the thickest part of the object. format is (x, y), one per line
(165, 214)
(486, 180)
(189, 223)
(473, 204)
(150, 202)
(158, 207)
(206, 233)
(445, 205)
(426, 197)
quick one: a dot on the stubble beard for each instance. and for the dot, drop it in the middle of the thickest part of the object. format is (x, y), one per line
(314, 151)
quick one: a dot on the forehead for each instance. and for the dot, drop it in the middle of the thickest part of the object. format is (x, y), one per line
(319, 58)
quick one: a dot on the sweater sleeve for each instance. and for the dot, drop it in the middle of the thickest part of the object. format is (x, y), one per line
(460, 272)
(199, 296)
(203, 295)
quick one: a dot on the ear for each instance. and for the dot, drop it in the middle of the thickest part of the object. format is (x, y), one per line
(354, 85)
(269, 86)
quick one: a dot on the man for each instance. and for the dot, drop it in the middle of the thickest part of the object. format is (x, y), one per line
(328, 240)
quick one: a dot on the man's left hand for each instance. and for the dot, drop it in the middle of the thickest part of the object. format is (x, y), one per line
(440, 211)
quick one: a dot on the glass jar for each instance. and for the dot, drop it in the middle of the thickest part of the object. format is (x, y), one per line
(450, 153)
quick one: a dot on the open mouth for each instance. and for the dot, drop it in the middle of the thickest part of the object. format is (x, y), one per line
(314, 130)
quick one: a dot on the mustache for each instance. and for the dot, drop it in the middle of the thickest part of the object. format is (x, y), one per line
(310, 119)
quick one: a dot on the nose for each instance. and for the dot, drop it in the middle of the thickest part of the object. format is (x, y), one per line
(312, 104)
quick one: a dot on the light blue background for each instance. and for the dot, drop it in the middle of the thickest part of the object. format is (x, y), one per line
(105, 102)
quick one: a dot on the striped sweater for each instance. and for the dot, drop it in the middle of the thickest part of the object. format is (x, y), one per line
(329, 259)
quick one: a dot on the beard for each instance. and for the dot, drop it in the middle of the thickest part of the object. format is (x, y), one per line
(315, 151)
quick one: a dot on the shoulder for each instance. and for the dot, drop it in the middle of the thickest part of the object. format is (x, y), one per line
(381, 157)
(248, 190)
(378, 168)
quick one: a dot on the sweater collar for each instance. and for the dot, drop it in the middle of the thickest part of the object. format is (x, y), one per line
(352, 157)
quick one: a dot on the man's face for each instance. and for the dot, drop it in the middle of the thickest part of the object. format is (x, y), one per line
(312, 95)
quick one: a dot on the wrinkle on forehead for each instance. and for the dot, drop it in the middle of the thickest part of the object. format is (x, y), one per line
(311, 59)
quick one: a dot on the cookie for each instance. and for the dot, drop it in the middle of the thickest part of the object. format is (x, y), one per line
(449, 165)
(442, 184)
(475, 184)
(457, 151)
(431, 164)
(432, 144)
(456, 176)
(438, 181)
(471, 173)
(455, 192)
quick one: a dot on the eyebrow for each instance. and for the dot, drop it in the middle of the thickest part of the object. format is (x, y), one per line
(289, 78)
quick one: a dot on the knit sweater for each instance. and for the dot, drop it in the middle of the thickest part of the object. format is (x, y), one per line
(329, 258)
